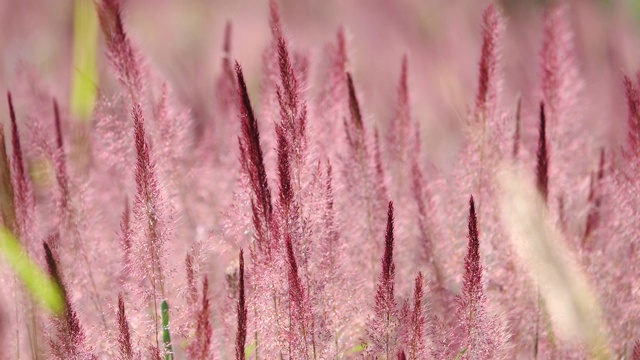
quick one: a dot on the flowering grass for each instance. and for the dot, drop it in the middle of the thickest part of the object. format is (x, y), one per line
(152, 219)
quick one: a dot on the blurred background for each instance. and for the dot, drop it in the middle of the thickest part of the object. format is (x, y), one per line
(182, 41)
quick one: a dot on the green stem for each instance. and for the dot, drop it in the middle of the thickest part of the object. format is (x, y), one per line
(166, 334)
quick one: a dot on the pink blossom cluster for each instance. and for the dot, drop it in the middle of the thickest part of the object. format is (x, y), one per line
(283, 222)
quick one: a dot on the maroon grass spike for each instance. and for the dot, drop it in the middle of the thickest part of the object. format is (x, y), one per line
(382, 329)
(354, 106)
(226, 83)
(293, 110)
(339, 63)
(7, 209)
(633, 121)
(401, 355)
(335, 89)
(120, 51)
(400, 128)
(388, 266)
(275, 23)
(299, 313)
(487, 82)
(147, 207)
(192, 290)
(479, 331)
(241, 334)
(330, 218)
(296, 292)
(561, 82)
(419, 193)
(60, 163)
(109, 14)
(58, 126)
(417, 322)
(330, 245)
(284, 170)
(542, 156)
(200, 349)
(125, 345)
(381, 183)
(149, 243)
(636, 351)
(70, 342)
(154, 352)
(52, 266)
(21, 183)
(125, 239)
(18, 161)
(355, 128)
(253, 163)
(403, 94)
(472, 280)
(289, 97)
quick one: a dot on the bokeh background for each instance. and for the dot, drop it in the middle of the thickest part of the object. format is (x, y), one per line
(182, 40)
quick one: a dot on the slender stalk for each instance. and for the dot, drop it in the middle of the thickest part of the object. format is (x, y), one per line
(166, 334)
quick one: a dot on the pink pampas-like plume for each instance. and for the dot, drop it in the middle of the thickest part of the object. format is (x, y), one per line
(560, 78)
(125, 344)
(472, 284)
(422, 198)
(399, 136)
(293, 110)
(331, 104)
(23, 191)
(252, 161)
(70, 342)
(413, 323)
(480, 332)
(200, 349)
(382, 328)
(301, 334)
(330, 253)
(123, 56)
(226, 82)
(286, 197)
(151, 229)
(125, 239)
(192, 290)
(147, 206)
(488, 82)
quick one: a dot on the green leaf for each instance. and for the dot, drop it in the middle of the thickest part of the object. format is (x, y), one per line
(166, 334)
(461, 353)
(248, 351)
(37, 282)
(635, 5)
(85, 48)
(357, 349)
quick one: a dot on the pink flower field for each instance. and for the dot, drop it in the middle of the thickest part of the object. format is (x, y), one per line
(282, 179)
